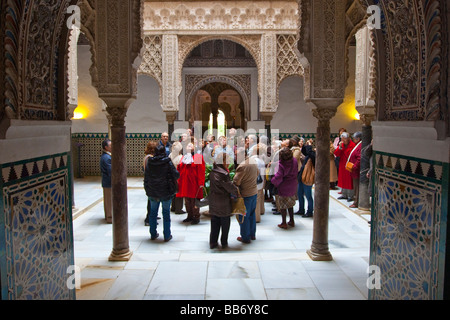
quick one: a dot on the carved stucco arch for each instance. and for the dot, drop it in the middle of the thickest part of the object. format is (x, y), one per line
(188, 43)
(356, 18)
(219, 78)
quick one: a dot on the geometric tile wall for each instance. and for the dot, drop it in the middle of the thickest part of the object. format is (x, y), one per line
(409, 227)
(87, 158)
(36, 239)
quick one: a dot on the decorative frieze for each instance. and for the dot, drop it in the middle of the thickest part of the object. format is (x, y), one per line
(365, 78)
(171, 87)
(267, 85)
(207, 16)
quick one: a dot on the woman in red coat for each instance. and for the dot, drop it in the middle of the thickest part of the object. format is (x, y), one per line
(355, 159)
(192, 177)
(345, 179)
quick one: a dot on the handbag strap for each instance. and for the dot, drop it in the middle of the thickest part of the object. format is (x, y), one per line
(201, 187)
(349, 156)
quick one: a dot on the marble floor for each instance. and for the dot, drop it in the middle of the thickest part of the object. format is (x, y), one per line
(273, 267)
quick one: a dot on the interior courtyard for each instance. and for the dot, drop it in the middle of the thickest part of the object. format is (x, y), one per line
(77, 72)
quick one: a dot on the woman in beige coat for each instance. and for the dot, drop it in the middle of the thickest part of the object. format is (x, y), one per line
(257, 153)
(333, 169)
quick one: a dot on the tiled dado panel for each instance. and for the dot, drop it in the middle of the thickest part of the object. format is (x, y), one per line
(36, 246)
(87, 150)
(87, 157)
(409, 225)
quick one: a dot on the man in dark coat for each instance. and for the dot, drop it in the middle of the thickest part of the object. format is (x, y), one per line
(165, 142)
(160, 186)
(105, 168)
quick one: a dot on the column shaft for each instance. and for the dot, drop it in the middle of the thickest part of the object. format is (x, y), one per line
(323, 110)
(319, 248)
(121, 250)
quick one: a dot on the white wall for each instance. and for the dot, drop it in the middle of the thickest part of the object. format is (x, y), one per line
(145, 115)
(95, 121)
(295, 116)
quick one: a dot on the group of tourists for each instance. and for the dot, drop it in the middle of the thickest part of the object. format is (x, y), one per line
(250, 168)
(345, 165)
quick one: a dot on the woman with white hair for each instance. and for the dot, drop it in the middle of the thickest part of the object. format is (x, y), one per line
(344, 178)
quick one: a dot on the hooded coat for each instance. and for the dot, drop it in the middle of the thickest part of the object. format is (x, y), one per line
(221, 187)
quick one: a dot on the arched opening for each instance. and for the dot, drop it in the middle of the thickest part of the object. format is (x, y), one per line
(218, 70)
(213, 98)
(221, 124)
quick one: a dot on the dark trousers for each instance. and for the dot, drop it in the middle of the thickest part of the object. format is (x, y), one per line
(177, 205)
(218, 223)
(356, 190)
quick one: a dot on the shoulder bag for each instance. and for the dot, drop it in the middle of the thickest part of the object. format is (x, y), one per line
(238, 209)
(309, 173)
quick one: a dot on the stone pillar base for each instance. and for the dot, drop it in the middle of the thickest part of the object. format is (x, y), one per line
(318, 255)
(120, 256)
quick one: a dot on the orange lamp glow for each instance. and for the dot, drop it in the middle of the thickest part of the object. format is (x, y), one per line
(81, 112)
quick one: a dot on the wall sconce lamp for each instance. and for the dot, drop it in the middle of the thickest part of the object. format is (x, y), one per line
(80, 112)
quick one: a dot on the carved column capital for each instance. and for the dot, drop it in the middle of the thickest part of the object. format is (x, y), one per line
(324, 109)
(116, 109)
(267, 116)
(323, 114)
(367, 119)
(171, 116)
(117, 114)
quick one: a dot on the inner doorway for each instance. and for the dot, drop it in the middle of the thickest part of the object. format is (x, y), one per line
(218, 106)
(218, 84)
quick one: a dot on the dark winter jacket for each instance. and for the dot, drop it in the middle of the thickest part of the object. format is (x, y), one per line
(221, 187)
(105, 168)
(160, 177)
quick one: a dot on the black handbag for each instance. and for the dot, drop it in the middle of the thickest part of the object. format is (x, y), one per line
(199, 203)
(259, 179)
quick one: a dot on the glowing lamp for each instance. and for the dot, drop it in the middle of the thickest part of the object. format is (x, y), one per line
(79, 113)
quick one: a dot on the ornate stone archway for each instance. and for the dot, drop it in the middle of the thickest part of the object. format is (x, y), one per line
(241, 83)
(266, 29)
